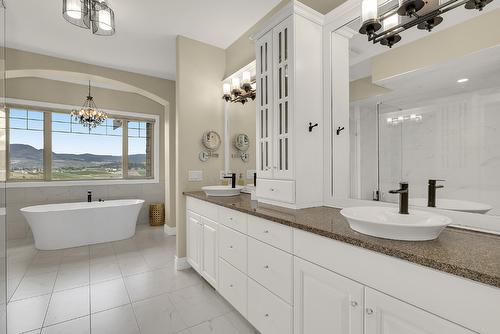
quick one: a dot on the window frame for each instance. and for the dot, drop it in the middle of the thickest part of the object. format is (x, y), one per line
(48, 109)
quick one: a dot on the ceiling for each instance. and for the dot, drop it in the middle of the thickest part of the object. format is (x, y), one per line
(416, 88)
(145, 30)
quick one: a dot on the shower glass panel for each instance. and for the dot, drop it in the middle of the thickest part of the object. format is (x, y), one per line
(376, 157)
(3, 173)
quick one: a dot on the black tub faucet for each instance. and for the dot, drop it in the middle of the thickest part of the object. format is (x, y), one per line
(403, 197)
(431, 192)
(89, 196)
(233, 179)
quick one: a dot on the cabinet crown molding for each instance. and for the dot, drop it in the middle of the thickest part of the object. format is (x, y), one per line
(293, 7)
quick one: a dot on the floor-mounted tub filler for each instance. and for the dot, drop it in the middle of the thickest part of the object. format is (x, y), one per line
(57, 226)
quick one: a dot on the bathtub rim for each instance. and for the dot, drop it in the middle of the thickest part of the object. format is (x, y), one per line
(73, 206)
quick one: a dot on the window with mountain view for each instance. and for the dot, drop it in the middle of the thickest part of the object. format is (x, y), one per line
(77, 152)
(139, 149)
(26, 131)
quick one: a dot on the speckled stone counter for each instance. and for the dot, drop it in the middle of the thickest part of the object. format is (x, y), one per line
(468, 254)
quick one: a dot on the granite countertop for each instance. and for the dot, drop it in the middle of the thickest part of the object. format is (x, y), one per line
(469, 254)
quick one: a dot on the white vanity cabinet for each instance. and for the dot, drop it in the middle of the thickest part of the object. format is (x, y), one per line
(289, 97)
(194, 232)
(202, 239)
(285, 280)
(326, 302)
(387, 315)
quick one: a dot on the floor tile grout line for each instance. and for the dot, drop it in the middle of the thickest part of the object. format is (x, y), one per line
(50, 299)
(24, 274)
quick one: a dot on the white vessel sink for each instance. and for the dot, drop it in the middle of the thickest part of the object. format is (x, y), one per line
(222, 191)
(454, 205)
(386, 222)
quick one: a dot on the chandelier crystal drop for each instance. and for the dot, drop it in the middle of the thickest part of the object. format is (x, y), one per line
(95, 15)
(89, 115)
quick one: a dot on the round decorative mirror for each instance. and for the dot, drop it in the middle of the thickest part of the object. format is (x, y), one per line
(211, 140)
(242, 142)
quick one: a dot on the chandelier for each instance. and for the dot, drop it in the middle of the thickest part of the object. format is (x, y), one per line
(425, 14)
(236, 92)
(88, 115)
(90, 14)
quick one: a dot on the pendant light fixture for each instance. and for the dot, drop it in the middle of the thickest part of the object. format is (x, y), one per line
(88, 115)
(425, 15)
(90, 14)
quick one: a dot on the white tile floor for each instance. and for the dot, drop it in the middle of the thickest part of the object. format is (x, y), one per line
(123, 287)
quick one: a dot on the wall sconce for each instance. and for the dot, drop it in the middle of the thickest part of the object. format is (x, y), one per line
(240, 90)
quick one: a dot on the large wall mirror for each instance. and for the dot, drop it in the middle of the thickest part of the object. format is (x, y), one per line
(432, 120)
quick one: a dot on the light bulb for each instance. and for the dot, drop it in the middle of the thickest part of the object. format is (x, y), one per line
(226, 88)
(391, 21)
(105, 20)
(246, 77)
(235, 83)
(369, 10)
(74, 9)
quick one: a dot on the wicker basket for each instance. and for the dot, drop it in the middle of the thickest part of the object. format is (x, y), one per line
(156, 214)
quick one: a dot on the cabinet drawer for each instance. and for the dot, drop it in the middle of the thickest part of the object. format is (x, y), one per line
(233, 219)
(233, 247)
(268, 313)
(202, 208)
(276, 190)
(272, 268)
(233, 286)
(275, 234)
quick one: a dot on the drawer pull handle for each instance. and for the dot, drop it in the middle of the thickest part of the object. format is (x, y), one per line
(231, 246)
(369, 311)
(266, 231)
(271, 189)
(230, 218)
(230, 285)
(266, 315)
(354, 303)
(266, 266)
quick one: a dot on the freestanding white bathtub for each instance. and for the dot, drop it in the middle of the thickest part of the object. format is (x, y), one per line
(57, 226)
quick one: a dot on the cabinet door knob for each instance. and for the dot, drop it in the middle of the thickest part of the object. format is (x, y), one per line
(369, 311)
(266, 315)
(271, 189)
(266, 266)
(230, 285)
(266, 231)
(354, 303)
(231, 246)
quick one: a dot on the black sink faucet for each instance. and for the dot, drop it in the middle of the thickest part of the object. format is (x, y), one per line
(89, 196)
(403, 197)
(233, 179)
(431, 192)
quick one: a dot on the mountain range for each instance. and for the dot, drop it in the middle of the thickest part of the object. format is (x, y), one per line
(26, 156)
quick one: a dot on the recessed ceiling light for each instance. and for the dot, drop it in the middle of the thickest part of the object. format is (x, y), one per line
(462, 80)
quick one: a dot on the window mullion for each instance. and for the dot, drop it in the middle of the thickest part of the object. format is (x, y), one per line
(47, 145)
(125, 149)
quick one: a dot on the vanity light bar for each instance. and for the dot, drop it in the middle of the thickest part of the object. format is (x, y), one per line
(405, 118)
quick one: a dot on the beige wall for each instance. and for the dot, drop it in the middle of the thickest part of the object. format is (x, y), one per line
(364, 88)
(52, 91)
(200, 69)
(242, 120)
(468, 37)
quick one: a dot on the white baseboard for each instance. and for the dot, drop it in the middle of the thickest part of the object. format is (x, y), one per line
(181, 263)
(170, 230)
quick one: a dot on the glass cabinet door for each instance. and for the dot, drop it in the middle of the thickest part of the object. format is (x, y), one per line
(283, 114)
(264, 106)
